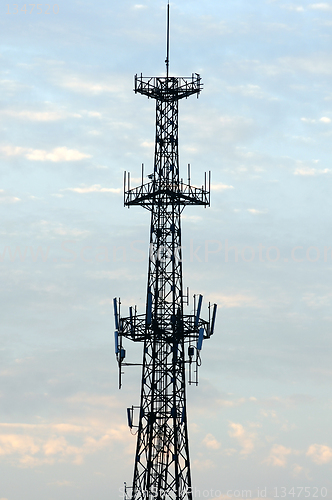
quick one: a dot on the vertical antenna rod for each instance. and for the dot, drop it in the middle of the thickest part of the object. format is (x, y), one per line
(167, 57)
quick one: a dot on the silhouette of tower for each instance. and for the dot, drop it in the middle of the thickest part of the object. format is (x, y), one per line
(162, 465)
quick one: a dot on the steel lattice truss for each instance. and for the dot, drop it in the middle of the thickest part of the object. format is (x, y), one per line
(162, 465)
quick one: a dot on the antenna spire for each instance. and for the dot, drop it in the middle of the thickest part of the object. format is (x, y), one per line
(167, 57)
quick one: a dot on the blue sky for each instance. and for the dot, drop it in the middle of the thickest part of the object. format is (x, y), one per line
(70, 125)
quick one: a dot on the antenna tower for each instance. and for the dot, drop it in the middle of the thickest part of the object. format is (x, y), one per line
(171, 339)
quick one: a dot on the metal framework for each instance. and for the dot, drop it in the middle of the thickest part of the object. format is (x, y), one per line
(162, 465)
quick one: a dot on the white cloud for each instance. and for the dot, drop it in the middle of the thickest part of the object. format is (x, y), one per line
(308, 120)
(297, 470)
(60, 483)
(249, 90)
(41, 116)
(215, 129)
(319, 64)
(320, 454)
(192, 218)
(94, 400)
(307, 171)
(320, 6)
(204, 464)
(46, 444)
(254, 211)
(245, 439)
(238, 300)
(93, 114)
(12, 150)
(54, 229)
(55, 155)
(211, 442)
(323, 119)
(147, 144)
(295, 8)
(231, 403)
(83, 85)
(11, 87)
(7, 199)
(220, 187)
(315, 301)
(95, 188)
(313, 64)
(12, 443)
(278, 455)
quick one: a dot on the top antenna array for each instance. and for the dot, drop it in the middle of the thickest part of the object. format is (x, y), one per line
(167, 56)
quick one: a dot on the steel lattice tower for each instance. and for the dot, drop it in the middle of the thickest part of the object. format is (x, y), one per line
(162, 465)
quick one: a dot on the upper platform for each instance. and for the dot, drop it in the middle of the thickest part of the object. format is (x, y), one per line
(162, 193)
(168, 88)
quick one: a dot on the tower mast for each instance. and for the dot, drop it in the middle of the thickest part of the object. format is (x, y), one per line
(162, 464)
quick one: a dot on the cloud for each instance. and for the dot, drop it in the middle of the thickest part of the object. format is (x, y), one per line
(13, 443)
(320, 6)
(278, 455)
(56, 155)
(316, 301)
(238, 300)
(40, 116)
(214, 127)
(6, 199)
(245, 439)
(220, 187)
(61, 483)
(236, 402)
(47, 116)
(308, 120)
(96, 188)
(204, 464)
(46, 444)
(286, 402)
(95, 400)
(54, 229)
(315, 64)
(84, 85)
(254, 211)
(12, 150)
(320, 454)
(55, 446)
(93, 114)
(148, 144)
(323, 119)
(308, 171)
(192, 218)
(295, 8)
(248, 90)
(211, 443)
(11, 87)
(297, 470)
(318, 64)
